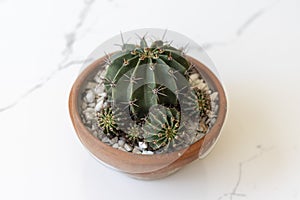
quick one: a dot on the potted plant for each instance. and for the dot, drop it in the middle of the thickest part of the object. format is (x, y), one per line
(147, 109)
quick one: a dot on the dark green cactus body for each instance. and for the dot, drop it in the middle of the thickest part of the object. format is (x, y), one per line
(162, 127)
(203, 102)
(107, 121)
(139, 77)
(111, 120)
(134, 133)
(198, 103)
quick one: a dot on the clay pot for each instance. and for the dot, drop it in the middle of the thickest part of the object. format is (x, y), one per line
(138, 165)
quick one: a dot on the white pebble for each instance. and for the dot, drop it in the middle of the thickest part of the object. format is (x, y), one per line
(89, 114)
(100, 99)
(121, 143)
(98, 89)
(208, 121)
(91, 105)
(100, 135)
(194, 76)
(105, 139)
(197, 82)
(136, 150)
(202, 86)
(99, 77)
(127, 147)
(83, 105)
(213, 121)
(214, 96)
(90, 96)
(211, 114)
(147, 153)
(103, 94)
(94, 127)
(213, 105)
(99, 105)
(91, 85)
(114, 140)
(95, 133)
(143, 145)
(88, 110)
(115, 146)
(105, 105)
(216, 109)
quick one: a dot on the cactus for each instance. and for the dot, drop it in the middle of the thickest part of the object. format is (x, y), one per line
(203, 102)
(202, 106)
(161, 127)
(139, 76)
(146, 83)
(109, 120)
(134, 133)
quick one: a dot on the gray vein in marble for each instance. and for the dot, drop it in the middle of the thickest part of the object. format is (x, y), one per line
(71, 37)
(241, 30)
(242, 164)
(41, 83)
(64, 62)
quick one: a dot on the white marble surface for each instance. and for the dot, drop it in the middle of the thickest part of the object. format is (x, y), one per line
(255, 45)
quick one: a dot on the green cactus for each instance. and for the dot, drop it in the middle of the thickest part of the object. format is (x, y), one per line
(139, 76)
(134, 133)
(162, 127)
(148, 84)
(201, 107)
(203, 102)
(109, 120)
